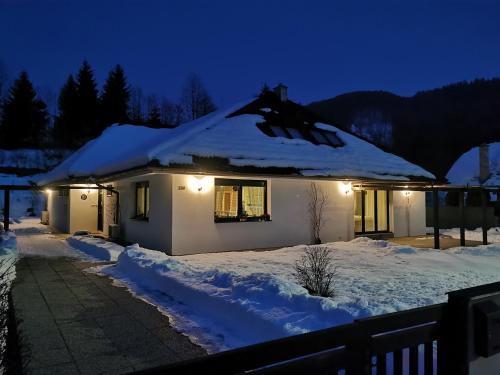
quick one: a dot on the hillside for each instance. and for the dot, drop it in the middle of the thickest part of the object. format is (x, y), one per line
(432, 128)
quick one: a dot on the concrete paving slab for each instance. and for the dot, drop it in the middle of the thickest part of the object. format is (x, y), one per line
(75, 322)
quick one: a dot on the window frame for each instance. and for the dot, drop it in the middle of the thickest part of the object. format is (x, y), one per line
(375, 210)
(240, 184)
(145, 216)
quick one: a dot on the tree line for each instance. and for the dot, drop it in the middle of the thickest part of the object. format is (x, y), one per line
(83, 112)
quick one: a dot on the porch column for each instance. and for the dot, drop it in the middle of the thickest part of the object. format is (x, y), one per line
(435, 201)
(6, 209)
(484, 207)
(462, 217)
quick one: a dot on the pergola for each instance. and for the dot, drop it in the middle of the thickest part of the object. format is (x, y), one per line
(403, 186)
(435, 189)
(8, 188)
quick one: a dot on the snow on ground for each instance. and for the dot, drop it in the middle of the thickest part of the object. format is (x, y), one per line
(474, 235)
(21, 200)
(232, 299)
(96, 247)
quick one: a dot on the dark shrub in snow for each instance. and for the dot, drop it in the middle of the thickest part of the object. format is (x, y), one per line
(315, 271)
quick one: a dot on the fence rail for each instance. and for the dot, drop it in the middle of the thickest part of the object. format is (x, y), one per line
(374, 345)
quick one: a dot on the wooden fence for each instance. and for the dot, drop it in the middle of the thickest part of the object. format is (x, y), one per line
(430, 340)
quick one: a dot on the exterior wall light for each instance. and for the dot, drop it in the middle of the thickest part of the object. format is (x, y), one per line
(48, 191)
(199, 184)
(406, 193)
(346, 188)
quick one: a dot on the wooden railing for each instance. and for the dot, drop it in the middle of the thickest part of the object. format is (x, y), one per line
(376, 345)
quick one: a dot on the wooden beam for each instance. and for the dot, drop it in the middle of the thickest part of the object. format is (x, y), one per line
(6, 209)
(462, 217)
(484, 209)
(435, 201)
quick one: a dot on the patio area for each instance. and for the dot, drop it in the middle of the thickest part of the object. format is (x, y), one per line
(427, 242)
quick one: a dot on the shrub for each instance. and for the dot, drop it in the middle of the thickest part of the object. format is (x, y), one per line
(315, 271)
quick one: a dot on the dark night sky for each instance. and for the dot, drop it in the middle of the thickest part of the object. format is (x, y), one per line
(318, 48)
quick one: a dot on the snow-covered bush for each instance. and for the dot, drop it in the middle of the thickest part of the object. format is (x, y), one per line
(315, 271)
(7, 269)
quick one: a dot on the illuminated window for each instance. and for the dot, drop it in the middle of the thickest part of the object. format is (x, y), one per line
(142, 200)
(371, 211)
(240, 200)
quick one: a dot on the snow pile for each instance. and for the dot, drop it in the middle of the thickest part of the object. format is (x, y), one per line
(474, 235)
(7, 243)
(96, 247)
(227, 300)
(466, 169)
(237, 139)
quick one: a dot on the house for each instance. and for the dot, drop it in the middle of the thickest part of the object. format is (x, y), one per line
(480, 166)
(477, 168)
(238, 178)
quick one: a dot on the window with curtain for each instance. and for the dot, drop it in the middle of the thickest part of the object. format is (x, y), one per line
(240, 200)
(142, 200)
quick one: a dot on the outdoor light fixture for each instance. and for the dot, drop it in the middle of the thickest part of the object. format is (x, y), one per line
(346, 188)
(406, 193)
(48, 191)
(199, 184)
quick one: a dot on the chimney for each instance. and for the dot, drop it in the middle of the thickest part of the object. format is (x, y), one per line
(281, 92)
(484, 162)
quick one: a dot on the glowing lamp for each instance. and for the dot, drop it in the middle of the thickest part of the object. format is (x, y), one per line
(48, 191)
(346, 188)
(199, 184)
(406, 193)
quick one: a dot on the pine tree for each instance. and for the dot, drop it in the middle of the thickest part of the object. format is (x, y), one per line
(195, 98)
(67, 132)
(115, 98)
(88, 104)
(24, 118)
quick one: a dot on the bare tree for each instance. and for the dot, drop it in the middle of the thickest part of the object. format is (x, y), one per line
(136, 109)
(195, 99)
(315, 271)
(318, 199)
(171, 113)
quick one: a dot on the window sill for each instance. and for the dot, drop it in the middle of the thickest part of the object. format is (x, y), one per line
(241, 220)
(139, 218)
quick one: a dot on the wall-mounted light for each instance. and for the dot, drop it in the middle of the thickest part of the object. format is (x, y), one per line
(406, 193)
(199, 184)
(48, 191)
(346, 188)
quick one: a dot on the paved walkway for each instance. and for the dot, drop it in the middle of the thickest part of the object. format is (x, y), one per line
(73, 322)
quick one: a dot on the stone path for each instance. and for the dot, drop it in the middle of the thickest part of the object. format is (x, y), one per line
(74, 322)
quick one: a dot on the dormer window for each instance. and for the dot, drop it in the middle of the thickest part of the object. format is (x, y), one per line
(309, 133)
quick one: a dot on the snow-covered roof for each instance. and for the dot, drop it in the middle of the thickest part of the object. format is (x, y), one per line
(235, 138)
(465, 171)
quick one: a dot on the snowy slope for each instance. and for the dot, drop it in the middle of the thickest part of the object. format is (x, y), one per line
(31, 159)
(232, 299)
(21, 200)
(466, 169)
(237, 139)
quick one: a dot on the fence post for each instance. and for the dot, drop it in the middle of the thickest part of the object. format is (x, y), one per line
(464, 337)
(358, 352)
(6, 209)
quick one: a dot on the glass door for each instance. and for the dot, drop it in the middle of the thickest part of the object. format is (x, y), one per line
(371, 211)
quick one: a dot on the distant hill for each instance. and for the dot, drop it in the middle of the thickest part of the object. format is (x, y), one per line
(432, 128)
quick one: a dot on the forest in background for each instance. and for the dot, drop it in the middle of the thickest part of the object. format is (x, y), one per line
(80, 111)
(431, 129)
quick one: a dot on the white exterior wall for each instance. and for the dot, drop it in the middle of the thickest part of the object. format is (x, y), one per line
(194, 229)
(408, 214)
(156, 232)
(58, 207)
(83, 213)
